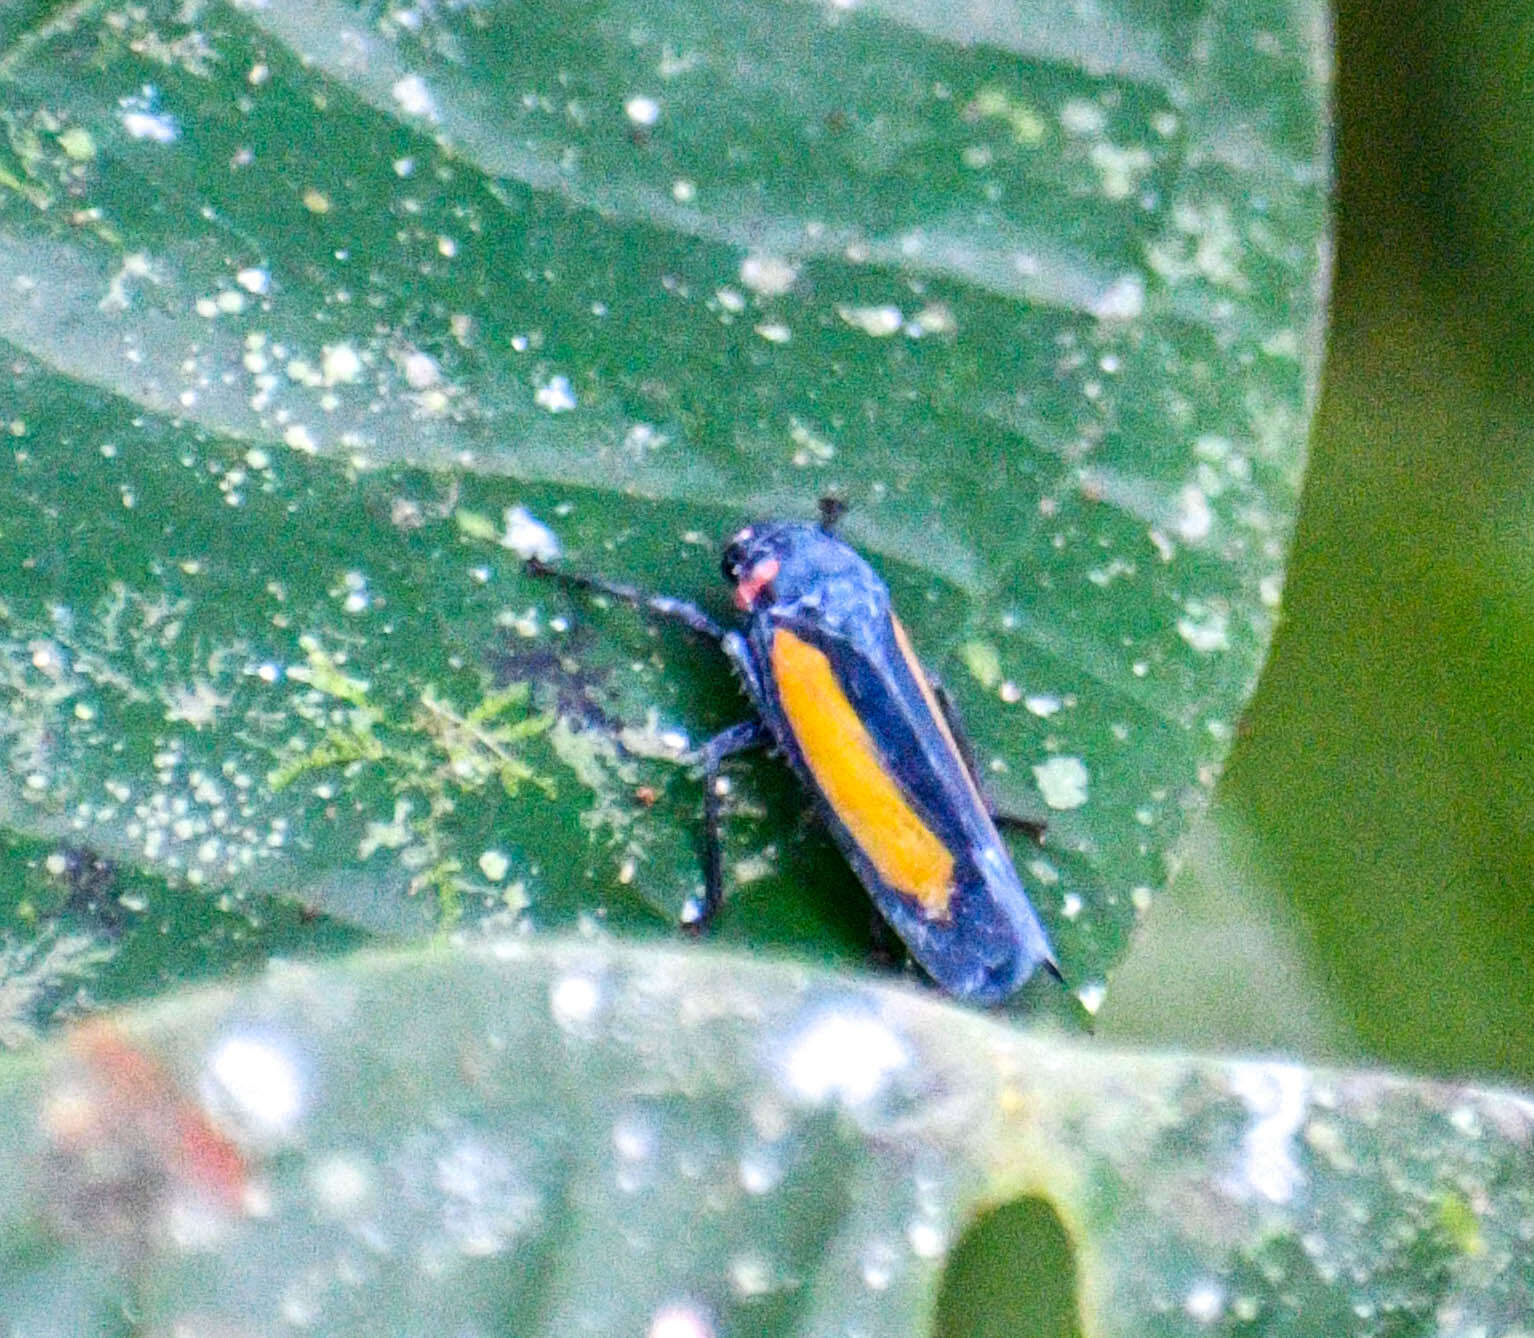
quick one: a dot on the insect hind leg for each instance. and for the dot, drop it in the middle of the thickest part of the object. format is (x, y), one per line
(1032, 827)
(736, 739)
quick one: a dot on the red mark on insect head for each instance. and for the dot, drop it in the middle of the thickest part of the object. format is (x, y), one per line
(754, 582)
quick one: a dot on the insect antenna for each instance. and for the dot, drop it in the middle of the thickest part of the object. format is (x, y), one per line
(832, 509)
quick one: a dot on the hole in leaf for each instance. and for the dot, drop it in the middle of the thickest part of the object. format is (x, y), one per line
(1013, 1275)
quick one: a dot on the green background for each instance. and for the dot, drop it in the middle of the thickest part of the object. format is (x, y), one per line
(1360, 890)
(1382, 785)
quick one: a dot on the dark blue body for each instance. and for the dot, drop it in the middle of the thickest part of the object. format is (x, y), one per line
(800, 578)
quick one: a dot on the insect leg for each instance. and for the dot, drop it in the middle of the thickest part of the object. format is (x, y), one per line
(884, 946)
(1022, 822)
(736, 739)
(663, 606)
(1034, 827)
(738, 651)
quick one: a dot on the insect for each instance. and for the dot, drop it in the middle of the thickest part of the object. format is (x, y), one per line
(839, 691)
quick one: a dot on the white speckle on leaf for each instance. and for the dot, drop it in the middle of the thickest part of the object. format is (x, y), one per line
(196, 704)
(934, 319)
(680, 1319)
(414, 97)
(135, 265)
(555, 395)
(227, 303)
(1062, 781)
(1205, 1302)
(574, 1002)
(527, 536)
(1213, 447)
(341, 1184)
(494, 864)
(1111, 571)
(78, 144)
(1119, 170)
(393, 834)
(1203, 242)
(633, 1138)
(356, 597)
(1194, 518)
(254, 280)
(1466, 1121)
(810, 448)
(339, 364)
(1043, 872)
(142, 118)
(1122, 300)
(1283, 343)
(1083, 118)
(254, 1082)
(1043, 704)
(1205, 629)
(642, 110)
(421, 370)
(878, 1265)
(768, 275)
(843, 1055)
(1091, 996)
(299, 438)
(927, 1238)
(983, 661)
(643, 439)
(760, 1169)
(879, 322)
(750, 1275)
(1277, 1096)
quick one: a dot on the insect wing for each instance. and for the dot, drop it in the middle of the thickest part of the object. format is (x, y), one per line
(851, 708)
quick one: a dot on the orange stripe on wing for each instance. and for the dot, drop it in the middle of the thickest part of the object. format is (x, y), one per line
(846, 766)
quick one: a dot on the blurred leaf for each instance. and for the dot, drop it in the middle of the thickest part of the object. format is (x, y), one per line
(1222, 962)
(1382, 792)
(530, 1138)
(303, 296)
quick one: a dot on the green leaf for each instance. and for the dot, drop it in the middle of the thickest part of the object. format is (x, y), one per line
(302, 294)
(537, 1137)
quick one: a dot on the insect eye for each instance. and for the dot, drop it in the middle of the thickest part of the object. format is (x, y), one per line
(732, 563)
